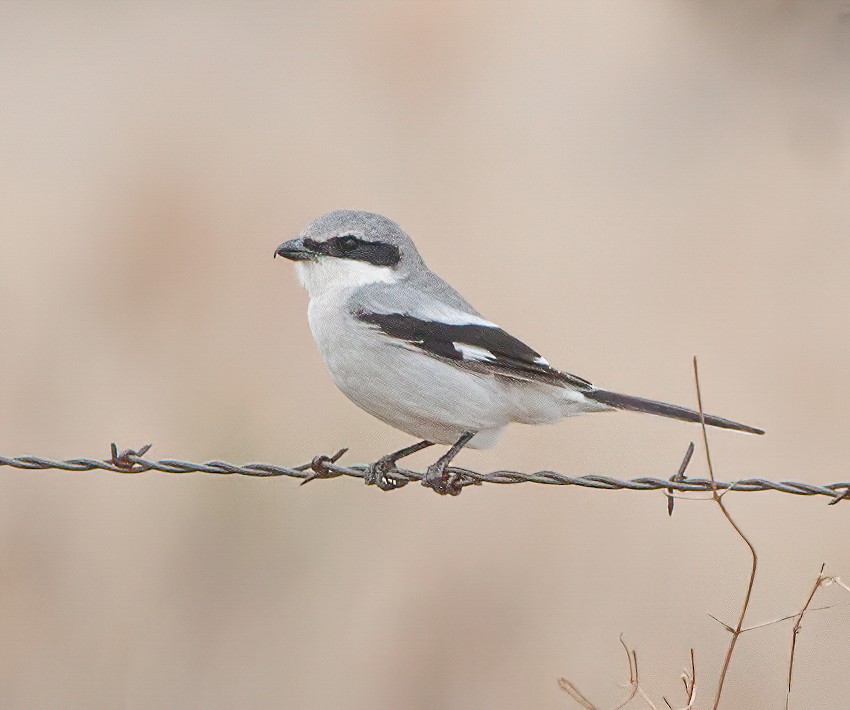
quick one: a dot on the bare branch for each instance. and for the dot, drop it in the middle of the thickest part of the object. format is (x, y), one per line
(689, 681)
(796, 630)
(576, 694)
(784, 618)
(835, 580)
(723, 624)
(631, 657)
(646, 699)
(736, 632)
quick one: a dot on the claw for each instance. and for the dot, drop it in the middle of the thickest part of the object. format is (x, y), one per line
(377, 475)
(438, 477)
(441, 481)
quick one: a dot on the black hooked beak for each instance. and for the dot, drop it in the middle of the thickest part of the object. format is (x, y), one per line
(294, 250)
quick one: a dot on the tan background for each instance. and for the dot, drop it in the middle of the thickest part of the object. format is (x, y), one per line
(621, 184)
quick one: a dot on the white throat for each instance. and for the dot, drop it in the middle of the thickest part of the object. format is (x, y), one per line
(327, 273)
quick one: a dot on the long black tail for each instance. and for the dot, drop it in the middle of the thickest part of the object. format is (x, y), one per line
(662, 409)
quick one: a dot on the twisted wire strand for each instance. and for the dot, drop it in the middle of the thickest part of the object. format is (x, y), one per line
(130, 462)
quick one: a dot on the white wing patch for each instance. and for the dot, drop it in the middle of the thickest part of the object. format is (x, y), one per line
(473, 352)
(439, 313)
(483, 343)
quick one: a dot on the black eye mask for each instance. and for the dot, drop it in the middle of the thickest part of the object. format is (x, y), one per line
(357, 249)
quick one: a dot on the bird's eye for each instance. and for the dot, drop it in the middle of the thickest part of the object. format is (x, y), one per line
(348, 242)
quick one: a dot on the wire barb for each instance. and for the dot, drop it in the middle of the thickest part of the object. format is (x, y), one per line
(319, 466)
(678, 477)
(123, 459)
(132, 461)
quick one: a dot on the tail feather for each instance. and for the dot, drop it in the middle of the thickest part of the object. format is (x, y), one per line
(662, 409)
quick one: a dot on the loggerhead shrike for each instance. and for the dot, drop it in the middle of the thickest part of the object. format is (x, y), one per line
(406, 347)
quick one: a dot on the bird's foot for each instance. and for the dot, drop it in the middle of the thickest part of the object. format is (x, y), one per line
(443, 482)
(376, 474)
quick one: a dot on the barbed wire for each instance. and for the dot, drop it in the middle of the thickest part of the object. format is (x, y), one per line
(130, 461)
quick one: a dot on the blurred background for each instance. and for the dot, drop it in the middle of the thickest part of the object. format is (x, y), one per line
(620, 184)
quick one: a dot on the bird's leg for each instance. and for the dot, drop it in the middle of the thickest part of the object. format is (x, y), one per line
(436, 476)
(376, 474)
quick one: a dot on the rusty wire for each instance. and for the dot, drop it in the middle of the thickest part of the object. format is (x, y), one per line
(133, 462)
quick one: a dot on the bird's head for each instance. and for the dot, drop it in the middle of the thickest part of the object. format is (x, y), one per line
(348, 249)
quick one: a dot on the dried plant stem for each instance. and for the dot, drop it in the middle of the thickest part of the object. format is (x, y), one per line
(776, 621)
(689, 681)
(717, 492)
(739, 627)
(634, 687)
(796, 630)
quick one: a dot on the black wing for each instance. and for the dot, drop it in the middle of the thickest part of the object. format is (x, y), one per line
(480, 347)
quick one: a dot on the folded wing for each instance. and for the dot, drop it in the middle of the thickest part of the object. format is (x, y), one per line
(477, 344)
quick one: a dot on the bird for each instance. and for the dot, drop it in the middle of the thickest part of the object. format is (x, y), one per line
(407, 348)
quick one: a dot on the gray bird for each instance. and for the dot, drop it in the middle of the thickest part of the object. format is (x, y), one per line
(406, 347)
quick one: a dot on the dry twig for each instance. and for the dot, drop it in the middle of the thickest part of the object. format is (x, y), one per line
(796, 630)
(821, 581)
(570, 688)
(717, 491)
(689, 681)
(739, 627)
